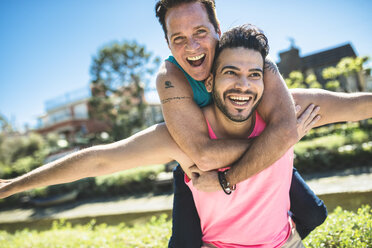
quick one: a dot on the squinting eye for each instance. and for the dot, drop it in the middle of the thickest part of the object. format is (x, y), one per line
(230, 73)
(256, 74)
(201, 32)
(178, 40)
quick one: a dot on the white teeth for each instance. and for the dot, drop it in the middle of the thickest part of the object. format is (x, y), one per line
(196, 57)
(240, 98)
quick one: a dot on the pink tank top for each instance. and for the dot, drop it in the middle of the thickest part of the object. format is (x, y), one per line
(256, 213)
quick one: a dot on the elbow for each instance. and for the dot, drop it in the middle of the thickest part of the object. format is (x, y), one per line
(204, 161)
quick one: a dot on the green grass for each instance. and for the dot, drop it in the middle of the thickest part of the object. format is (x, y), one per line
(342, 229)
(154, 234)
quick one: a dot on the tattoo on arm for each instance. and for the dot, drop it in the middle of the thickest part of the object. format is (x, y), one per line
(168, 84)
(271, 66)
(175, 98)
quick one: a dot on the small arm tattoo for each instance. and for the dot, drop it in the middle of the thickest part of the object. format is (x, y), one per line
(175, 98)
(271, 66)
(168, 84)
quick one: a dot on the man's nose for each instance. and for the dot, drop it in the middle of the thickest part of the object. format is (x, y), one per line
(192, 45)
(243, 83)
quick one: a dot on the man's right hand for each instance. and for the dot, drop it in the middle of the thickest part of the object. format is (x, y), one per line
(307, 119)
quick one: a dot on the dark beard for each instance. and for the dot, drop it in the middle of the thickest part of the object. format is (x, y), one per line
(217, 100)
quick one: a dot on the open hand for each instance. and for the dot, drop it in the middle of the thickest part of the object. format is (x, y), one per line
(307, 119)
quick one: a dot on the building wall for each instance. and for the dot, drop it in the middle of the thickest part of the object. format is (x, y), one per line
(291, 60)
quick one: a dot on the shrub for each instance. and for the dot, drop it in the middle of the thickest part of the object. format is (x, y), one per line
(154, 234)
(320, 159)
(344, 229)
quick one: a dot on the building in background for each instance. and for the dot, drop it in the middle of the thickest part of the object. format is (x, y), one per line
(290, 60)
(68, 116)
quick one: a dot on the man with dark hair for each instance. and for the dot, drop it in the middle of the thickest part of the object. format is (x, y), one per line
(256, 212)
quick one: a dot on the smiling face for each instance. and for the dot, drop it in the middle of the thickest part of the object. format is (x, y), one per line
(237, 87)
(192, 38)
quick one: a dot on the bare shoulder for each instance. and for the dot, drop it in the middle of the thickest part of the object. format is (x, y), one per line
(168, 75)
(171, 84)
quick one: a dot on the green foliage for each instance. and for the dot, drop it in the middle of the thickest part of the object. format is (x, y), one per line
(332, 85)
(21, 153)
(343, 229)
(297, 80)
(120, 73)
(334, 147)
(346, 67)
(154, 234)
(138, 180)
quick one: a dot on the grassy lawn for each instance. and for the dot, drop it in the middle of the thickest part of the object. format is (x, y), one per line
(342, 229)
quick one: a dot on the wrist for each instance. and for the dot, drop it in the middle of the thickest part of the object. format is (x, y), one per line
(227, 187)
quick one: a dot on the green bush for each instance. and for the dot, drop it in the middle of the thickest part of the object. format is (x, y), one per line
(344, 229)
(344, 129)
(134, 181)
(154, 234)
(332, 148)
(321, 159)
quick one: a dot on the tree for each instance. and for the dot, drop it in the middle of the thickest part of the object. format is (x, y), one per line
(297, 80)
(120, 74)
(5, 126)
(346, 67)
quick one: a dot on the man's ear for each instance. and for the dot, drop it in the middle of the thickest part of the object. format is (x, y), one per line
(209, 83)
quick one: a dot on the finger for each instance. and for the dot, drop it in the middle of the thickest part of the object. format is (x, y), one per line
(297, 109)
(312, 115)
(312, 123)
(305, 114)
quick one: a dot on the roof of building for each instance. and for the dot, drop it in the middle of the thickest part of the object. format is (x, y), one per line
(329, 56)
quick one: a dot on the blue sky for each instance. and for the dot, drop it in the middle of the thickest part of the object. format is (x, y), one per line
(46, 47)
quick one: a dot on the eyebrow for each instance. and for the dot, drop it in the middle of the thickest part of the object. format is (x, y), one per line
(256, 69)
(237, 69)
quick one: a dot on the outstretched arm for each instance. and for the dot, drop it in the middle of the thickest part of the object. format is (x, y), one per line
(151, 146)
(335, 106)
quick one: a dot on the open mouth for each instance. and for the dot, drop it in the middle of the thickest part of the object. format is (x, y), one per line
(196, 60)
(240, 100)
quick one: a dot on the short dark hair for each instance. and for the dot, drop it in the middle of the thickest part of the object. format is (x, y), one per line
(162, 6)
(247, 36)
